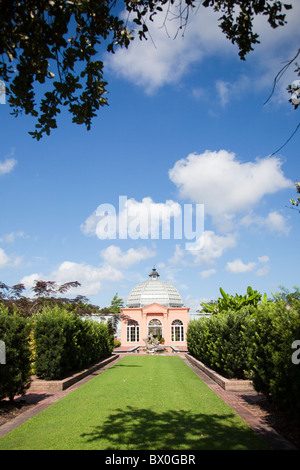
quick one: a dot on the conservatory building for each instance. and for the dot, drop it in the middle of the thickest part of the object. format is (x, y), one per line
(154, 307)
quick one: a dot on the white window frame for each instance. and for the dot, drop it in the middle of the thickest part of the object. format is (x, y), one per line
(160, 325)
(177, 330)
(133, 333)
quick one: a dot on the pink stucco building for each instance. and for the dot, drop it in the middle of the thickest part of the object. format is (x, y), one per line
(154, 306)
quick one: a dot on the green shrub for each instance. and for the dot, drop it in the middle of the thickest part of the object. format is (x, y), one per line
(271, 334)
(253, 343)
(100, 340)
(15, 374)
(65, 343)
(219, 342)
(229, 302)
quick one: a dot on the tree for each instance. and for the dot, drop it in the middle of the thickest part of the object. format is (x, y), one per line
(46, 293)
(52, 46)
(296, 202)
(229, 302)
(290, 298)
(294, 90)
(114, 309)
(237, 19)
(116, 304)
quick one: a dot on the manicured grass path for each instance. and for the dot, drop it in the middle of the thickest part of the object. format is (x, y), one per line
(139, 403)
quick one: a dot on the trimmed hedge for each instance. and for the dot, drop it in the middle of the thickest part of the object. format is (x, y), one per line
(256, 345)
(58, 341)
(270, 338)
(66, 343)
(15, 373)
(218, 341)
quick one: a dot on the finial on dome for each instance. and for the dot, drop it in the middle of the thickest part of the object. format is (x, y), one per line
(154, 274)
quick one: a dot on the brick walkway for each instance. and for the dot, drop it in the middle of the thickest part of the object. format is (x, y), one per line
(233, 399)
(43, 403)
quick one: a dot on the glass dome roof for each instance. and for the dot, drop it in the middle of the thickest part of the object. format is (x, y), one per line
(154, 290)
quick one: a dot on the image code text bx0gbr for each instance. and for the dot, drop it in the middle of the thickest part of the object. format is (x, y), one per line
(176, 459)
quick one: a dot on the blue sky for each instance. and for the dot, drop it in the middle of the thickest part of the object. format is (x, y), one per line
(186, 124)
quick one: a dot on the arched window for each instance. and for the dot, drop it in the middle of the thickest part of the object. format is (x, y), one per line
(133, 331)
(177, 330)
(155, 327)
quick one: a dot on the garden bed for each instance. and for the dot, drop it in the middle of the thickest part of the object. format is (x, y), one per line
(233, 385)
(58, 385)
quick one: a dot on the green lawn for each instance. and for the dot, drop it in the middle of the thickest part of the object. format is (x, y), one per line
(139, 403)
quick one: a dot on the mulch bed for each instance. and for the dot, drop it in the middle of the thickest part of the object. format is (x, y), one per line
(265, 410)
(10, 410)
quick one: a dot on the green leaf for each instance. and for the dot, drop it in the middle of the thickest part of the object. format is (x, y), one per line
(224, 295)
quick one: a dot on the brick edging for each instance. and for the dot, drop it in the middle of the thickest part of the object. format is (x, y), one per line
(275, 440)
(233, 385)
(59, 385)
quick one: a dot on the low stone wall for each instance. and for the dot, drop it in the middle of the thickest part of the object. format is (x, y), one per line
(233, 385)
(38, 385)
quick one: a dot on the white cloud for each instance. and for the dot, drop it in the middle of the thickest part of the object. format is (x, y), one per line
(178, 256)
(7, 166)
(277, 47)
(9, 260)
(90, 224)
(28, 281)
(237, 266)
(195, 303)
(269, 37)
(274, 222)
(113, 255)
(227, 91)
(263, 259)
(167, 56)
(207, 273)
(263, 271)
(277, 223)
(11, 237)
(133, 219)
(199, 93)
(150, 216)
(223, 91)
(212, 245)
(163, 60)
(225, 185)
(4, 259)
(90, 277)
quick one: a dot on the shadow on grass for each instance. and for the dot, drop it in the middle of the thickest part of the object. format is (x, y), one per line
(123, 365)
(144, 429)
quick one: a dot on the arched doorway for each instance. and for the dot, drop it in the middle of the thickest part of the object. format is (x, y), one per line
(155, 327)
